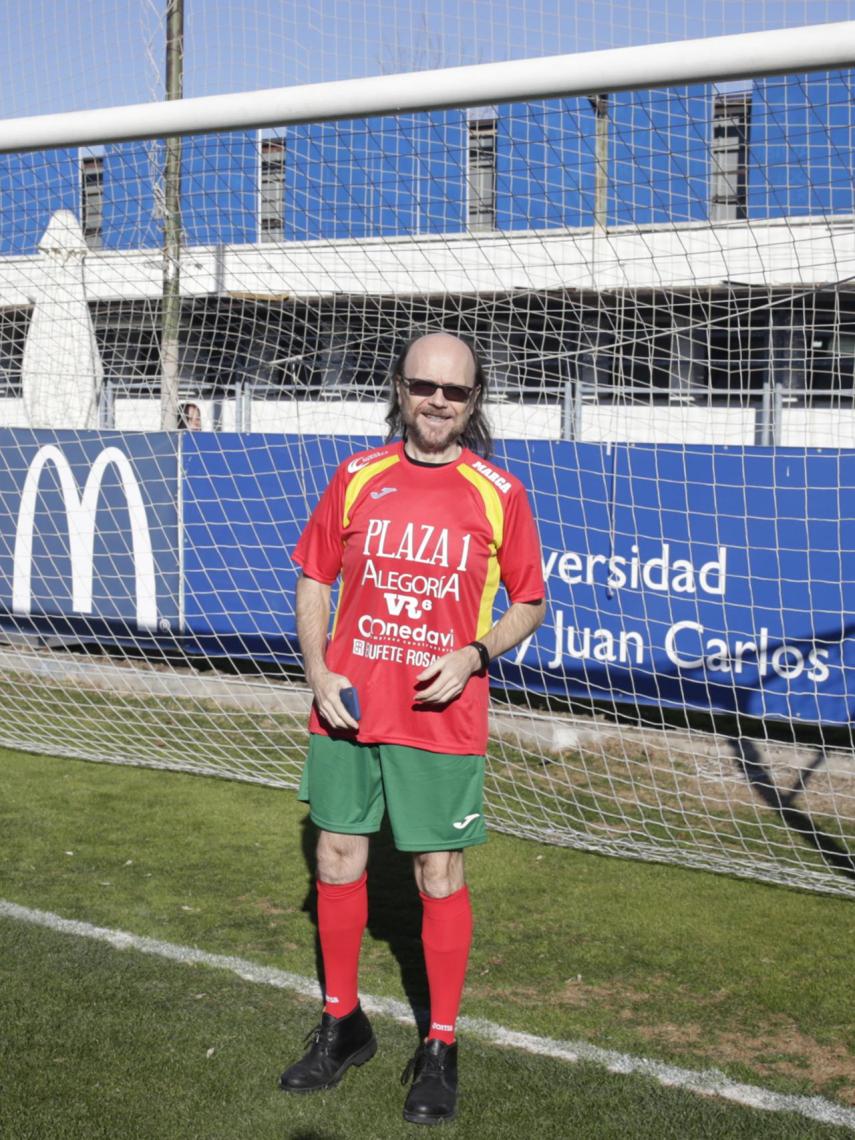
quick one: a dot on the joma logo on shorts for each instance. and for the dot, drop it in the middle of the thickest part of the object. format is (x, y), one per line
(461, 823)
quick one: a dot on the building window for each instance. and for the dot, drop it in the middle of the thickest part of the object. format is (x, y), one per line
(92, 199)
(481, 213)
(729, 165)
(272, 197)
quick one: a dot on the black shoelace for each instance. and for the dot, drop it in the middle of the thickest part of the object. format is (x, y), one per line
(422, 1061)
(319, 1037)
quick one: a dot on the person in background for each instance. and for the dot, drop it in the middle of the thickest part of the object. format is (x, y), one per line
(189, 417)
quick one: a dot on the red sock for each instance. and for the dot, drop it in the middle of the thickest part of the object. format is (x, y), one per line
(342, 916)
(446, 938)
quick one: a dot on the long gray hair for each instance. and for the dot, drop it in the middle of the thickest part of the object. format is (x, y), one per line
(476, 435)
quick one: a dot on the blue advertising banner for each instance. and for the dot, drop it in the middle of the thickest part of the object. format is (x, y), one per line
(707, 577)
(715, 578)
(702, 577)
(246, 498)
(89, 538)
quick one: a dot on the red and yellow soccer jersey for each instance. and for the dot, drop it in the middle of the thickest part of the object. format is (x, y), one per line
(420, 550)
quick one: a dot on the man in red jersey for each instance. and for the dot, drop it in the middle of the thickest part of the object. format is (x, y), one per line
(420, 532)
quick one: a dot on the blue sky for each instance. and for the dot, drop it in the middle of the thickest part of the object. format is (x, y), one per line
(59, 55)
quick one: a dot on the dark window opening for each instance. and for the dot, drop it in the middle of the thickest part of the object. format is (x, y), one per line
(272, 190)
(481, 213)
(92, 200)
(729, 156)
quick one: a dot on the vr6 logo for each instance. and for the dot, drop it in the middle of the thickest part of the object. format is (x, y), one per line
(398, 604)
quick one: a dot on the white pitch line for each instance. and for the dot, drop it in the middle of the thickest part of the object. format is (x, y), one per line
(709, 1082)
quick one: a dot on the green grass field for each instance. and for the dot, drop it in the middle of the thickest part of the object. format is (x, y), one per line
(682, 967)
(622, 794)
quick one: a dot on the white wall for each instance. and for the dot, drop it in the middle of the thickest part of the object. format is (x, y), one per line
(138, 415)
(674, 424)
(600, 423)
(12, 413)
(818, 427)
(322, 417)
(343, 417)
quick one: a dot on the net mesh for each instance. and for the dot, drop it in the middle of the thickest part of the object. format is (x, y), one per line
(660, 283)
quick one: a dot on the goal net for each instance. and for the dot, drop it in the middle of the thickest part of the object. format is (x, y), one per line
(656, 265)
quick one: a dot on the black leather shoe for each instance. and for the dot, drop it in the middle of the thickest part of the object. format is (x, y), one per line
(337, 1043)
(433, 1097)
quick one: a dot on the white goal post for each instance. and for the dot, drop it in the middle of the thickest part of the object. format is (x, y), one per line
(653, 249)
(754, 54)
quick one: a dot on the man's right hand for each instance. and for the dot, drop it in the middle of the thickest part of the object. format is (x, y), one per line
(326, 687)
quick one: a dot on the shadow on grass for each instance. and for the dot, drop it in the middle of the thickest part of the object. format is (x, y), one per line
(782, 800)
(394, 913)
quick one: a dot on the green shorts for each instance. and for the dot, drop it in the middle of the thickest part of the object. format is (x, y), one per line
(435, 801)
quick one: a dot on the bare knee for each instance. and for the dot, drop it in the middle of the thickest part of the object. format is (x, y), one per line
(439, 873)
(341, 858)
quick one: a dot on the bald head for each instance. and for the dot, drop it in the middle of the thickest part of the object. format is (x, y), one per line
(442, 357)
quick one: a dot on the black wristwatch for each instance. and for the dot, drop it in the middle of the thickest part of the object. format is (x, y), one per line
(483, 653)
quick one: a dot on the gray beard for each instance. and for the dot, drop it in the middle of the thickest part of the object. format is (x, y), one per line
(414, 434)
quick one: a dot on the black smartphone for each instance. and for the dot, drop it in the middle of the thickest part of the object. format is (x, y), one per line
(350, 700)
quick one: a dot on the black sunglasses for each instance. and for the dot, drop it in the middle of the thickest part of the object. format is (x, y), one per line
(456, 393)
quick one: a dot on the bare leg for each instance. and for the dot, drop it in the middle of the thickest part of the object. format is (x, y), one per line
(438, 873)
(341, 858)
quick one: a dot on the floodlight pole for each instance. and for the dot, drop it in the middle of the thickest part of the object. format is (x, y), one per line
(171, 301)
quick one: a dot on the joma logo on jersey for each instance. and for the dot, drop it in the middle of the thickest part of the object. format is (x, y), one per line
(398, 604)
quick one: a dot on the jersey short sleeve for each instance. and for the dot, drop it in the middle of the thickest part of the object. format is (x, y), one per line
(519, 555)
(319, 549)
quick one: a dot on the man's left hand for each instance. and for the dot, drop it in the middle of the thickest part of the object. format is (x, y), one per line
(448, 675)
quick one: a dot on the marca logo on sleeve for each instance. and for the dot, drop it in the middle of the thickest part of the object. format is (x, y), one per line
(495, 478)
